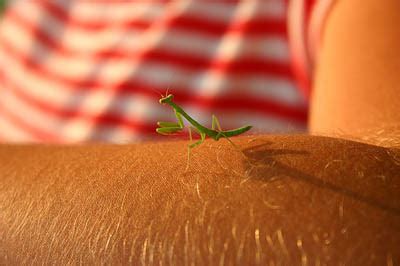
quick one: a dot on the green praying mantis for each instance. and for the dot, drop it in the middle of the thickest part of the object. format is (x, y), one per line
(166, 128)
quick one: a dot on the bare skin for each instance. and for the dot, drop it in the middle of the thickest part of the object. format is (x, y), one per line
(300, 200)
(357, 83)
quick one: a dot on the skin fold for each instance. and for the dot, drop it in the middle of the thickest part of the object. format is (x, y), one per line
(285, 200)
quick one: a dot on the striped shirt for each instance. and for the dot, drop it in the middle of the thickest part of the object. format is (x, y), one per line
(74, 71)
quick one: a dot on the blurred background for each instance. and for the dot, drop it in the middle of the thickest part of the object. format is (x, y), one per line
(78, 71)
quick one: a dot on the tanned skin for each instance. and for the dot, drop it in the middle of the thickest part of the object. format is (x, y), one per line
(295, 199)
(291, 200)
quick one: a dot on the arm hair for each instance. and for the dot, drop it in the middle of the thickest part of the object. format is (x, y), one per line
(289, 200)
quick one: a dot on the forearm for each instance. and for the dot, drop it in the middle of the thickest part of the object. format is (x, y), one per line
(290, 199)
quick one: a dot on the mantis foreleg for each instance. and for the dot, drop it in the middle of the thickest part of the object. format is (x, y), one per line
(168, 124)
(179, 117)
(166, 128)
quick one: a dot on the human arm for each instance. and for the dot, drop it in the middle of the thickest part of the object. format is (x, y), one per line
(291, 199)
(309, 200)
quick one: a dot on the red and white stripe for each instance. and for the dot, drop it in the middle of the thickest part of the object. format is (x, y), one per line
(88, 71)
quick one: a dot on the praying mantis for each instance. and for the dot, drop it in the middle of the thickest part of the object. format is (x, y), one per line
(166, 128)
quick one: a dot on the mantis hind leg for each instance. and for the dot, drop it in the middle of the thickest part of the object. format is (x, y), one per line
(214, 123)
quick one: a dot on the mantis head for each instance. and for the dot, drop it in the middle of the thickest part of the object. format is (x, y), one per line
(167, 98)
